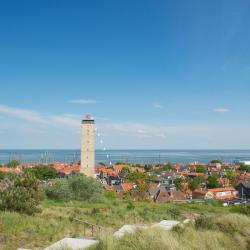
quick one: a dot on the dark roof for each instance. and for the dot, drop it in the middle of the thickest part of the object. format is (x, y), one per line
(246, 184)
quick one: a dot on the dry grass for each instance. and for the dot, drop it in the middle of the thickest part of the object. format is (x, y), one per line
(55, 223)
(231, 232)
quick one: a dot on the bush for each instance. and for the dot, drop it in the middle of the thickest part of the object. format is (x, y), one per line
(78, 187)
(242, 209)
(13, 164)
(21, 194)
(43, 172)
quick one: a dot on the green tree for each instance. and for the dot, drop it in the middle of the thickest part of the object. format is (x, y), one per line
(213, 182)
(195, 183)
(43, 172)
(192, 184)
(230, 174)
(201, 169)
(148, 167)
(13, 164)
(120, 163)
(244, 167)
(167, 167)
(102, 163)
(178, 183)
(216, 161)
(21, 194)
(142, 181)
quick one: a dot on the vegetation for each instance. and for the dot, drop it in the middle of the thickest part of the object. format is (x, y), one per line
(213, 182)
(201, 169)
(56, 221)
(43, 172)
(22, 194)
(228, 232)
(13, 164)
(142, 181)
(78, 187)
(216, 162)
(244, 167)
(4, 175)
(178, 183)
(167, 167)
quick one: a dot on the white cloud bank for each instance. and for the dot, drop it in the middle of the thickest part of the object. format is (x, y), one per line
(63, 131)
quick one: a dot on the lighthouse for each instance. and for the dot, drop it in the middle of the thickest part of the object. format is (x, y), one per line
(88, 146)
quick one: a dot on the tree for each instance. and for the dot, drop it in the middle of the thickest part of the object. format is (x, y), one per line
(178, 183)
(43, 172)
(244, 167)
(212, 182)
(195, 183)
(120, 163)
(216, 161)
(167, 167)
(142, 181)
(148, 167)
(13, 164)
(102, 163)
(201, 169)
(230, 174)
(21, 194)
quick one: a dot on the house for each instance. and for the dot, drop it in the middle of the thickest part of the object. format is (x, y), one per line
(123, 188)
(165, 193)
(113, 180)
(104, 172)
(69, 171)
(10, 170)
(59, 165)
(216, 193)
(244, 189)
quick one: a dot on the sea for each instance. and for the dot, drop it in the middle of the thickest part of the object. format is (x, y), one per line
(128, 156)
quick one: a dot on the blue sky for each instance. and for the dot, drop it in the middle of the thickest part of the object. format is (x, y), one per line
(154, 74)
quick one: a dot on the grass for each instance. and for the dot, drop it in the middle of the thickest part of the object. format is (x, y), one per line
(231, 231)
(56, 222)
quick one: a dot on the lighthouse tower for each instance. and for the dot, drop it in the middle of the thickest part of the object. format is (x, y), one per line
(88, 146)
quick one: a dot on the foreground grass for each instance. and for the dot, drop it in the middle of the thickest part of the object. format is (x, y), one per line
(230, 231)
(56, 222)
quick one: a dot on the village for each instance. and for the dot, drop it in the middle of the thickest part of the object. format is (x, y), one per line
(169, 182)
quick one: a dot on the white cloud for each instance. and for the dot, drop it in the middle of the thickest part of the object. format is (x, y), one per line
(221, 110)
(157, 105)
(24, 114)
(82, 101)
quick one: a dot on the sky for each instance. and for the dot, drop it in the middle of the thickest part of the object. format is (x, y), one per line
(154, 74)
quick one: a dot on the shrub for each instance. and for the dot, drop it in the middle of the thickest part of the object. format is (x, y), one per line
(43, 172)
(21, 194)
(13, 164)
(242, 209)
(77, 187)
(110, 194)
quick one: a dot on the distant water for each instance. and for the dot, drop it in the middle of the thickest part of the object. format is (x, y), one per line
(129, 156)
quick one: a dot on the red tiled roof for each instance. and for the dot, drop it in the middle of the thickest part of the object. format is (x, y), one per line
(9, 170)
(221, 189)
(127, 186)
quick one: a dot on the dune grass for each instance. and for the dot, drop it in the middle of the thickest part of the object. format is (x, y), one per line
(230, 232)
(56, 222)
